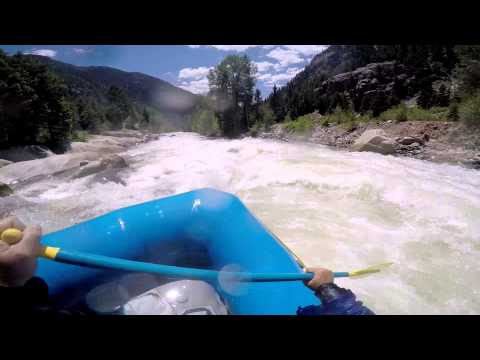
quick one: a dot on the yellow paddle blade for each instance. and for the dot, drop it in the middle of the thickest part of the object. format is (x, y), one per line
(370, 270)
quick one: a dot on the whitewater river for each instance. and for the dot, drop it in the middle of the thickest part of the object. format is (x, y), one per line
(340, 210)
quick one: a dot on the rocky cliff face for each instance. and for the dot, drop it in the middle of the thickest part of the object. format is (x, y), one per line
(367, 78)
(375, 86)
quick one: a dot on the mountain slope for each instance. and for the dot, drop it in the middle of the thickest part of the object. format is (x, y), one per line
(143, 90)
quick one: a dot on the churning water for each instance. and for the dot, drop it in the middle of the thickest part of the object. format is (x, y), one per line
(335, 209)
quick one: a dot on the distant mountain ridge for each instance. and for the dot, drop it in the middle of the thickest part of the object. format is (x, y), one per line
(141, 88)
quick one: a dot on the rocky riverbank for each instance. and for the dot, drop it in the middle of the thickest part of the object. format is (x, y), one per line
(437, 141)
(98, 155)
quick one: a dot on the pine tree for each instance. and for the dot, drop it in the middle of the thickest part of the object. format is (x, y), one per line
(425, 99)
(146, 117)
(443, 96)
(232, 82)
(257, 99)
(275, 104)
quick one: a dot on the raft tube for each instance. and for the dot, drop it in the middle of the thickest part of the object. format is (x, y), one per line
(204, 228)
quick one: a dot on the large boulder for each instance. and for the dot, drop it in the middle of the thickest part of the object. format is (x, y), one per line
(109, 162)
(5, 190)
(40, 168)
(25, 153)
(375, 141)
(5, 163)
(113, 161)
(408, 140)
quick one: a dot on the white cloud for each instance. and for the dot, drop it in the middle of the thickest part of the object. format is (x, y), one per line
(285, 57)
(238, 48)
(268, 47)
(194, 79)
(306, 50)
(281, 78)
(194, 73)
(263, 66)
(81, 51)
(42, 52)
(196, 86)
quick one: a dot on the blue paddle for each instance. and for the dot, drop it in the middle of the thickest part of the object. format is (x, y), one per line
(12, 236)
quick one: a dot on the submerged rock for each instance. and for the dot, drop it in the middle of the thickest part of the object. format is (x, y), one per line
(113, 161)
(5, 190)
(110, 162)
(108, 175)
(123, 133)
(473, 163)
(5, 163)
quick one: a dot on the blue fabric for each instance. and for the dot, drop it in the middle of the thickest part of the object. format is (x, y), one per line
(189, 229)
(337, 302)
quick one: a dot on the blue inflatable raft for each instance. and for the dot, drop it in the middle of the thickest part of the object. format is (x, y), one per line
(205, 229)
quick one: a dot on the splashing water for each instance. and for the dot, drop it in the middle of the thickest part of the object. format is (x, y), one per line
(335, 209)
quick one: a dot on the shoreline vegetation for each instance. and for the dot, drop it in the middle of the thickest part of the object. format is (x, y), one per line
(427, 93)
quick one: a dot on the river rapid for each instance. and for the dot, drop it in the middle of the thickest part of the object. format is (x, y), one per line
(336, 209)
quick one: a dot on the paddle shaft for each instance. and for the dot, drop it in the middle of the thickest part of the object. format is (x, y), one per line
(100, 261)
(12, 236)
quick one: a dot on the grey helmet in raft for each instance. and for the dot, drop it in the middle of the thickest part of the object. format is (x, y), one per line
(185, 297)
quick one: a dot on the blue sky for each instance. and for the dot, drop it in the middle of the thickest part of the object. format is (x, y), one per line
(185, 66)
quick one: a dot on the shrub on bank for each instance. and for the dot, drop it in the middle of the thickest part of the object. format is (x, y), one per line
(205, 122)
(402, 113)
(80, 135)
(349, 120)
(301, 125)
(256, 129)
(452, 114)
(469, 110)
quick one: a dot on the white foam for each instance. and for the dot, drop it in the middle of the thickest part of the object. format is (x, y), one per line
(335, 209)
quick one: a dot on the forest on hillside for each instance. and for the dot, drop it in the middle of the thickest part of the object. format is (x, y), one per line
(50, 103)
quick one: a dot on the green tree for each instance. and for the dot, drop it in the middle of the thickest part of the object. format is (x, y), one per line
(268, 117)
(120, 108)
(231, 83)
(275, 103)
(145, 122)
(443, 96)
(257, 101)
(468, 68)
(425, 99)
(33, 103)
